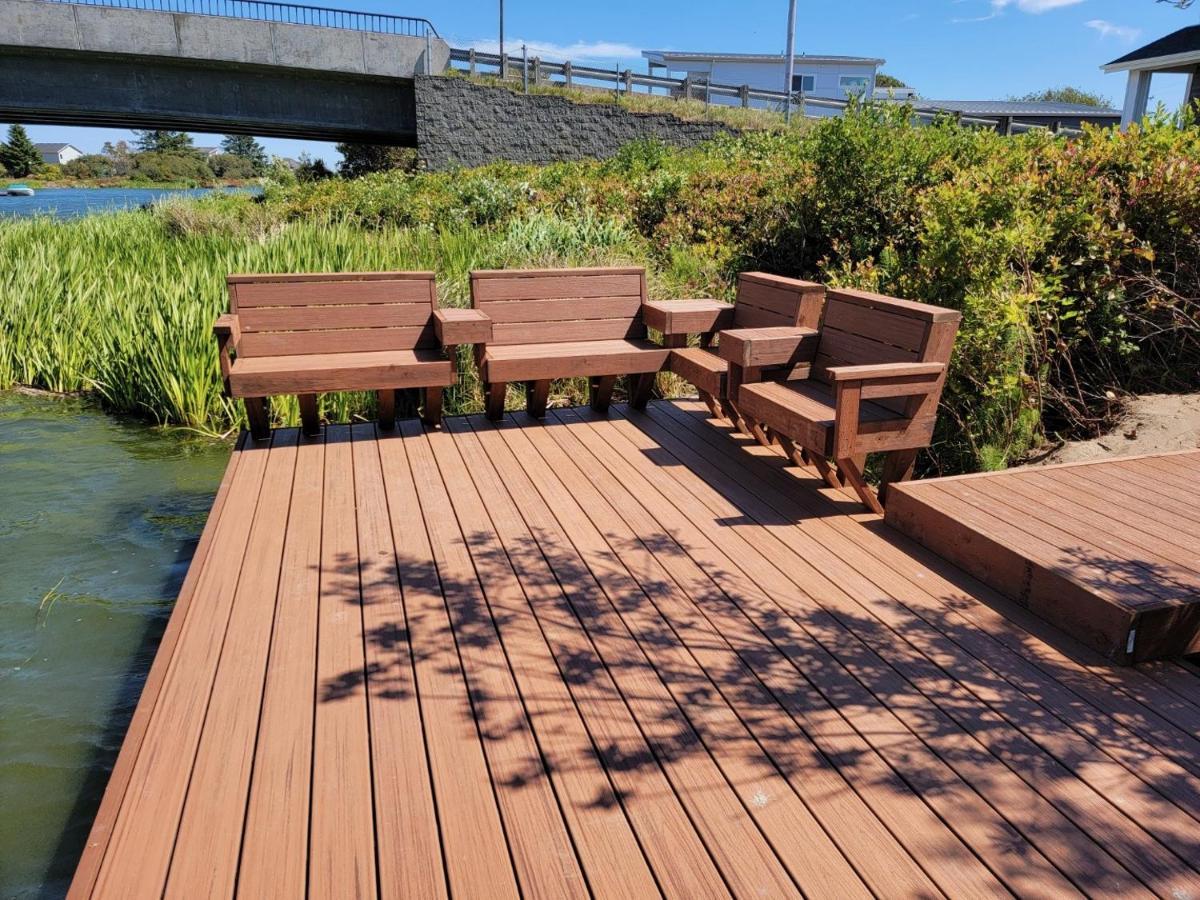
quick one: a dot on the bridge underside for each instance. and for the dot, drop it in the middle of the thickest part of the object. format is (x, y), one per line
(63, 88)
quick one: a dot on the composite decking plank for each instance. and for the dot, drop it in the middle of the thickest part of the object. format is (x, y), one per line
(804, 640)
(406, 830)
(1144, 570)
(984, 743)
(139, 852)
(474, 847)
(1137, 551)
(542, 852)
(274, 860)
(596, 820)
(693, 668)
(744, 858)
(1116, 783)
(1130, 490)
(1150, 485)
(559, 585)
(706, 628)
(205, 859)
(341, 859)
(88, 867)
(1098, 500)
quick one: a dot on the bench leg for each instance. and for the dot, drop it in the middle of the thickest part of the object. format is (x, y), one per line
(601, 392)
(789, 449)
(537, 393)
(495, 400)
(822, 466)
(897, 466)
(309, 423)
(257, 415)
(643, 384)
(852, 472)
(711, 402)
(431, 414)
(385, 402)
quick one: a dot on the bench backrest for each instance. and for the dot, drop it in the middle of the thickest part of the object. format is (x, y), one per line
(766, 301)
(343, 312)
(861, 328)
(539, 306)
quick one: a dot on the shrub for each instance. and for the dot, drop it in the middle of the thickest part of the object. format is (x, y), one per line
(90, 165)
(185, 168)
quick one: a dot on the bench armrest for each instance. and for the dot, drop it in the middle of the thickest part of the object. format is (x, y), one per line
(853, 384)
(456, 326)
(228, 332)
(886, 370)
(753, 348)
(684, 317)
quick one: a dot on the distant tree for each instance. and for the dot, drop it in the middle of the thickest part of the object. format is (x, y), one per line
(312, 169)
(122, 159)
(363, 159)
(280, 171)
(1065, 95)
(884, 80)
(163, 141)
(247, 148)
(18, 154)
(90, 165)
(185, 168)
(227, 165)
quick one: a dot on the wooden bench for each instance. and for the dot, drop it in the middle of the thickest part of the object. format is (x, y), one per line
(762, 301)
(564, 323)
(355, 331)
(868, 381)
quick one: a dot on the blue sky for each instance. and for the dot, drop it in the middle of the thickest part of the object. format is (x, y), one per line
(947, 49)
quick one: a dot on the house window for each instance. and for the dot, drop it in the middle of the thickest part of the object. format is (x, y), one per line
(854, 84)
(804, 83)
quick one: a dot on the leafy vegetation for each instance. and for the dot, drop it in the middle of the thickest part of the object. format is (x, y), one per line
(1076, 263)
(1066, 95)
(18, 155)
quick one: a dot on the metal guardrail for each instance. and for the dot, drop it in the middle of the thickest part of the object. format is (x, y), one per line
(539, 71)
(285, 13)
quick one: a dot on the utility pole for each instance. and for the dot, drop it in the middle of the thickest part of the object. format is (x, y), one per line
(503, 58)
(791, 60)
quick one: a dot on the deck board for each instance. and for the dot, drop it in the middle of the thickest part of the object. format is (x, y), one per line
(626, 656)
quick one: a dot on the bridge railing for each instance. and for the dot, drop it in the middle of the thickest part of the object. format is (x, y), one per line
(285, 13)
(625, 81)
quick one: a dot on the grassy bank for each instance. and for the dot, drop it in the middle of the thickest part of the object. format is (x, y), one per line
(1076, 264)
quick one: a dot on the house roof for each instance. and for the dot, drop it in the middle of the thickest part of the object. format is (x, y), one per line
(55, 148)
(1178, 48)
(665, 57)
(1020, 108)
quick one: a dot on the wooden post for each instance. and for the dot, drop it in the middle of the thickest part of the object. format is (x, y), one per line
(628, 82)
(617, 82)
(745, 95)
(471, 61)
(685, 87)
(537, 70)
(567, 73)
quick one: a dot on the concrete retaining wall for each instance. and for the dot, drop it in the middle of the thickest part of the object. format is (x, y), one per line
(460, 123)
(64, 26)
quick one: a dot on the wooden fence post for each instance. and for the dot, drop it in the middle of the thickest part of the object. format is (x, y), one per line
(567, 73)
(745, 95)
(686, 87)
(628, 82)
(471, 60)
(537, 70)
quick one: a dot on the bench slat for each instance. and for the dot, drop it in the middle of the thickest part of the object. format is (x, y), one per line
(320, 318)
(556, 286)
(327, 292)
(576, 308)
(558, 332)
(349, 340)
(878, 325)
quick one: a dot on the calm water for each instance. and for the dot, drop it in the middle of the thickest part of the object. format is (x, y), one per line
(69, 203)
(98, 521)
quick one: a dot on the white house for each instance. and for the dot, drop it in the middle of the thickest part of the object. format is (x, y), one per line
(1178, 52)
(58, 153)
(826, 77)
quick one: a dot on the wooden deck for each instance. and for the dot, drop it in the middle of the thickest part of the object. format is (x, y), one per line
(1109, 551)
(623, 657)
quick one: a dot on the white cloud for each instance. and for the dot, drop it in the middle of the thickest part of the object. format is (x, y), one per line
(580, 50)
(1033, 7)
(1108, 29)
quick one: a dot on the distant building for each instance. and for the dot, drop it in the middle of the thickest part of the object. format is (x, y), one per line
(1178, 52)
(208, 152)
(825, 77)
(1048, 114)
(59, 154)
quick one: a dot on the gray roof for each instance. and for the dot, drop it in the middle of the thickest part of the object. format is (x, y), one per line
(1185, 40)
(53, 148)
(677, 55)
(1019, 108)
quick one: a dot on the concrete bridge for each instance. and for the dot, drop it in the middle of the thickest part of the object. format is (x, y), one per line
(256, 68)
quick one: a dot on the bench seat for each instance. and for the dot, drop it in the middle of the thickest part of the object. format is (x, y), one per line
(805, 411)
(569, 359)
(701, 368)
(316, 373)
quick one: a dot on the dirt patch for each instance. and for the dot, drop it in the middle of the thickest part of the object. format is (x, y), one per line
(1153, 423)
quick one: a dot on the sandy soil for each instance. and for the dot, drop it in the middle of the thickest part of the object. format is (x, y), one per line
(1153, 423)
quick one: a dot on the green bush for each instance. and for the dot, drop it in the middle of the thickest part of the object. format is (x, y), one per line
(90, 165)
(179, 168)
(1075, 263)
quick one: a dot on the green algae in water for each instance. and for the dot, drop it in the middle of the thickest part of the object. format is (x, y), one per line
(99, 520)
